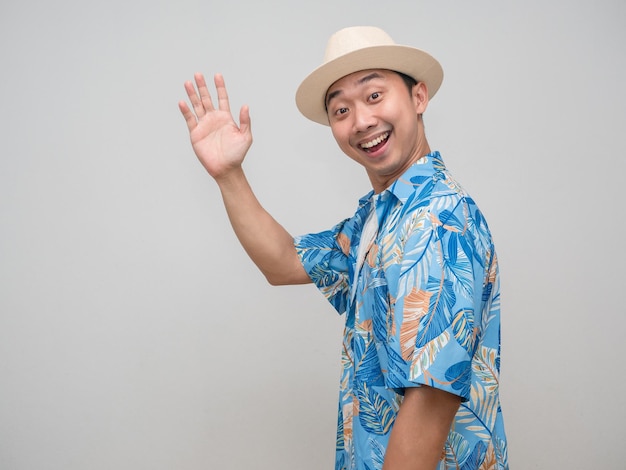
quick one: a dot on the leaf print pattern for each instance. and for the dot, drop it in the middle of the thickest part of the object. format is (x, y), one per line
(377, 455)
(425, 311)
(483, 365)
(456, 450)
(414, 260)
(438, 319)
(415, 307)
(459, 377)
(424, 357)
(458, 267)
(464, 331)
(367, 369)
(375, 413)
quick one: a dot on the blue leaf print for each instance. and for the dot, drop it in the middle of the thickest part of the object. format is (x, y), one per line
(452, 247)
(377, 455)
(414, 202)
(468, 244)
(367, 365)
(448, 297)
(397, 366)
(438, 317)
(481, 225)
(340, 441)
(375, 413)
(463, 329)
(476, 458)
(324, 277)
(448, 218)
(498, 361)
(425, 192)
(394, 383)
(458, 266)
(457, 450)
(358, 345)
(419, 179)
(460, 376)
(380, 304)
(487, 292)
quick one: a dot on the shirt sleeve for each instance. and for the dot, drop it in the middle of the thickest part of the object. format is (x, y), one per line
(326, 264)
(435, 292)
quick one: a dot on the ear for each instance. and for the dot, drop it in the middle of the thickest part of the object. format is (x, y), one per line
(419, 94)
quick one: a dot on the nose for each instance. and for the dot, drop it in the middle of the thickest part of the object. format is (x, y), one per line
(364, 119)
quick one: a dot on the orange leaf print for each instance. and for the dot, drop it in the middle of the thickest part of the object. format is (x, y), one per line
(344, 243)
(415, 307)
(348, 416)
(365, 326)
(490, 462)
(438, 223)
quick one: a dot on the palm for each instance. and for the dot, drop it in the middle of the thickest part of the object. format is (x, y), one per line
(218, 142)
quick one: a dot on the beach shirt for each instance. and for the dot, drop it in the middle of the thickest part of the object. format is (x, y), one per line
(422, 307)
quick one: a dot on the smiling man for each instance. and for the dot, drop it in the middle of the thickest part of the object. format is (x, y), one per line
(414, 270)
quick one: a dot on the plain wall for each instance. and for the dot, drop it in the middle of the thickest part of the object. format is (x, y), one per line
(134, 331)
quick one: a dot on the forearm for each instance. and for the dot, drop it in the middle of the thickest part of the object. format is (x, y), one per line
(221, 146)
(421, 429)
(267, 243)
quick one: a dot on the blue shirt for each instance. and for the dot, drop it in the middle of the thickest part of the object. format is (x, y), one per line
(422, 307)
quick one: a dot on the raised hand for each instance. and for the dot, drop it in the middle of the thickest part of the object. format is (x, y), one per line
(221, 146)
(218, 142)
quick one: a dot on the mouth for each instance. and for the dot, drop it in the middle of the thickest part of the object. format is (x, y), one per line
(376, 143)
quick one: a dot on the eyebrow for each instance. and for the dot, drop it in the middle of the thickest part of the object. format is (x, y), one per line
(361, 81)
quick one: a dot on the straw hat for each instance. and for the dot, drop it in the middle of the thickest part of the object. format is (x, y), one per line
(360, 48)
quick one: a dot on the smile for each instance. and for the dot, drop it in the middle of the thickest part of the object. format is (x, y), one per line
(374, 142)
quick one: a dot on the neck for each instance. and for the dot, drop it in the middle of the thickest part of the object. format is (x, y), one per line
(381, 182)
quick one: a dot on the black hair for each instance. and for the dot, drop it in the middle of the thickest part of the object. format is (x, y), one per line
(409, 81)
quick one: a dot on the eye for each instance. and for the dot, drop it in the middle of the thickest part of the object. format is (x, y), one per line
(374, 96)
(341, 111)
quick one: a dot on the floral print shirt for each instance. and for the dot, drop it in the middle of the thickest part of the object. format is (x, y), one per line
(422, 307)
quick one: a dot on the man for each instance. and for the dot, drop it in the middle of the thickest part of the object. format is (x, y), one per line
(414, 270)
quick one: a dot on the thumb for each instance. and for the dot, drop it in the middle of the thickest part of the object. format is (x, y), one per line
(244, 120)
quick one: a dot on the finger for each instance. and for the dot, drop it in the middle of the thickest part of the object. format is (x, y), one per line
(190, 118)
(205, 96)
(222, 95)
(244, 120)
(196, 103)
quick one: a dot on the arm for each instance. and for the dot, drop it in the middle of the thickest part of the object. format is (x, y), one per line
(221, 147)
(421, 428)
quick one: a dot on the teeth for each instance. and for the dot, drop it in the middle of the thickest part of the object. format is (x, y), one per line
(376, 141)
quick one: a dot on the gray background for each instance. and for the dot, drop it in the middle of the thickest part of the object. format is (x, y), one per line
(134, 331)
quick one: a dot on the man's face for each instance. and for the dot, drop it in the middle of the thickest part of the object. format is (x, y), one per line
(375, 121)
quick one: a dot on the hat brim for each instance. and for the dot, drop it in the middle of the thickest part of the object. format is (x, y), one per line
(311, 94)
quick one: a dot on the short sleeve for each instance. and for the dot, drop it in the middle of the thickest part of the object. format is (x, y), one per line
(326, 264)
(434, 289)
